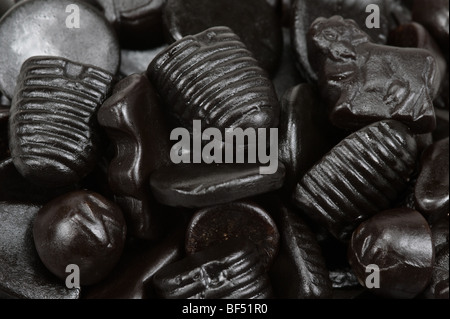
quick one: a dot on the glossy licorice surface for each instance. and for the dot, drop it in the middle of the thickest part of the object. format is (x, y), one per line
(399, 243)
(362, 175)
(53, 133)
(80, 228)
(432, 186)
(133, 120)
(138, 23)
(38, 27)
(304, 12)
(241, 220)
(212, 77)
(131, 278)
(22, 274)
(435, 17)
(254, 21)
(226, 271)
(304, 131)
(299, 270)
(364, 82)
(201, 185)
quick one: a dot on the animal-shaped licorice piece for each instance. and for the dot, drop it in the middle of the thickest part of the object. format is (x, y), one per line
(53, 133)
(366, 82)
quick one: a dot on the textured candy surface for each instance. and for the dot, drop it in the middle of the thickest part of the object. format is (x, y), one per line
(359, 177)
(365, 82)
(52, 126)
(226, 271)
(212, 76)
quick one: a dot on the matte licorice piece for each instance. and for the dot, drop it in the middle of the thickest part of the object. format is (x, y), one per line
(431, 191)
(201, 185)
(131, 278)
(15, 188)
(241, 220)
(359, 177)
(133, 120)
(398, 242)
(138, 23)
(211, 76)
(254, 21)
(81, 228)
(414, 35)
(299, 270)
(53, 134)
(47, 29)
(365, 82)
(304, 131)
(434, 16)
(22, 275)
(304, 12)
(136, 61)
(231, 270)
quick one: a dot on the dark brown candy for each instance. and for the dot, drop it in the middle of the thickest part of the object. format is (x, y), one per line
(136, 61)
(304, 132)
(362, 175)
(80, 228)
(414, 35)
(366, 82)
(15, 188)
(133, 120)
(46, 28)
(231, 270)
(201, 185)
(238, 220)
(398, 243)
(434, 15)
(432, 186)
(442, 125)
(254, 21)
(131, 278)
(22, 275)
(53, 134)
(138, 23)
(299, 270)
(304, 12)
(212, 77)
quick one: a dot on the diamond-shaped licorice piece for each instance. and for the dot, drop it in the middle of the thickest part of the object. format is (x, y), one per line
(299, 270)
(53, 135)
(231, 270)
(201, 185)
(22, 274)
(366, 82)
(362, 175)
(432, 186)
(133, 120)
(399, 243)
(241, 220)
(211, 76)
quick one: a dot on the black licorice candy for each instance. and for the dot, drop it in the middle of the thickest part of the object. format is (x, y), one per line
(211, 76)
(231, 270)
(53, 131)
(362, 175)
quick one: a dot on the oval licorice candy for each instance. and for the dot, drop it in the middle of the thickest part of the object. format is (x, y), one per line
(212, 77)
(53, 134)
(231, 270)
(362, 175)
